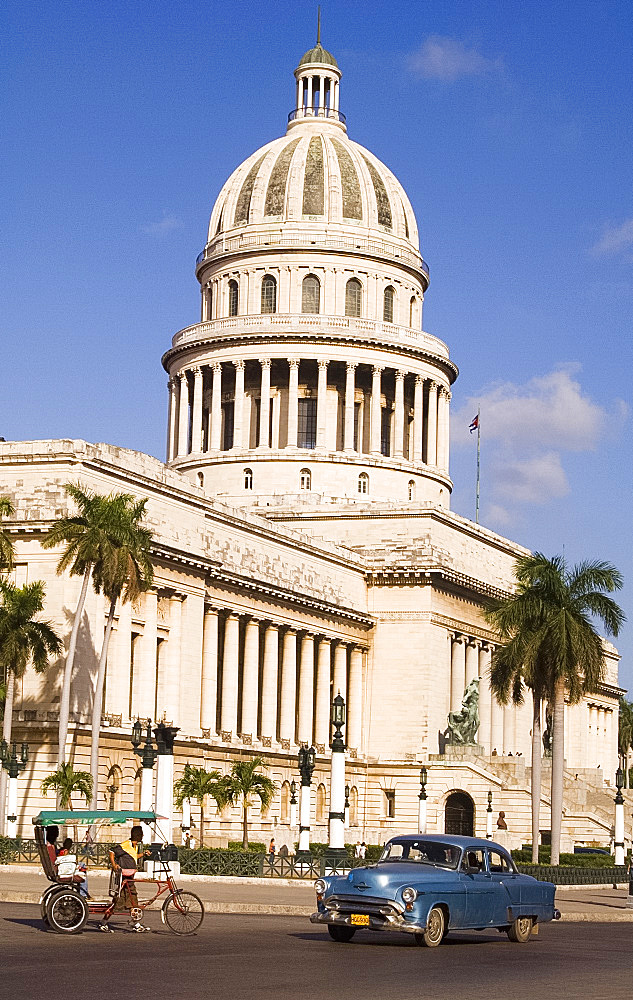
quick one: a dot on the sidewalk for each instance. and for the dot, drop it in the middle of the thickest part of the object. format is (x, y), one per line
(220, 894)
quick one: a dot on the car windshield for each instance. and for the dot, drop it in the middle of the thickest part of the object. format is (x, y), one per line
(429, 852)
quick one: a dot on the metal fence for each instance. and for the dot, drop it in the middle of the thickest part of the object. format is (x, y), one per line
(562, 875)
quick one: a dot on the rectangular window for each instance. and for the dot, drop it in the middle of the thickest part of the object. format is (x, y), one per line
(385, 431)
(307, 421)
(390, 803)
(227, 426)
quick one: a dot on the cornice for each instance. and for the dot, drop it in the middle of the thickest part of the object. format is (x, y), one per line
(433, 576)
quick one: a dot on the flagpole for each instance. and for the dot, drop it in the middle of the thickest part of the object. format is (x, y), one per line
(478, 465)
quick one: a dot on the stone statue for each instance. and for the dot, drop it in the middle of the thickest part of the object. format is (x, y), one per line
(547, 733)
(463, 725)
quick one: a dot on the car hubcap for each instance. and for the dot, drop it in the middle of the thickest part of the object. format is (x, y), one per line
(435, 926)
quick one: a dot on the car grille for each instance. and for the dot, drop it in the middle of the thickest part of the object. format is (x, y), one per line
(372, 905)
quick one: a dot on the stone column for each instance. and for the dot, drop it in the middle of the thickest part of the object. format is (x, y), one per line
(355, 706)
(509, 728)
(418, 418)
(376, 389)
(209, 683)
(458, 672)
(447, 430)
(264, 405)
(238, 406)
(269, 682)
(398, 450)
(287, 715)
(485, 698)
(196, 418)
(118, 685)
(293, 403)
(431, 427)
(183, 415)
(230, 672)
(171, 425)
(496, 726)
(306, 686)
(472, 661)
(216, 408)
(322, 406)
(322, 720)
(250, 682)
(350, 391)
(145, 680)
(340, 671)
(170, 688)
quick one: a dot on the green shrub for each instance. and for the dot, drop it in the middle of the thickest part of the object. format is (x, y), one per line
(524, 857)
(254, 847)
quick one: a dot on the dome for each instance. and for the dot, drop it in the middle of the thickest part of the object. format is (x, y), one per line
(318, 55)
(315, 174)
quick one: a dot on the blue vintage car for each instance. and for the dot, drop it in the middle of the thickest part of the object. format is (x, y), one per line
(428, 885)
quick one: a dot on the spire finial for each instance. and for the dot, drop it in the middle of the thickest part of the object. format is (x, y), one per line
(319, 25)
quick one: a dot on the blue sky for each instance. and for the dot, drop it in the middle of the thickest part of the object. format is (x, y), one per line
(510, 126)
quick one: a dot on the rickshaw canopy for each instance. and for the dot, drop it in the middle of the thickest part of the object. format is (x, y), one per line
(70, 817)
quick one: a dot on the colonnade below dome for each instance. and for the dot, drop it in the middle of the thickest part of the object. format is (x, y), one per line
(309, 405)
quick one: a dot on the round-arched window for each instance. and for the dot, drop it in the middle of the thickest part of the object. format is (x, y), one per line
(311, 294)
(248, 479)
(201, 479)
(353, 297)
(321, 804)
(363, 483)
(411, 489)
(269, 294)
(412, 311)
(387, 307)
(305, 479)
(285, 803)
(459, 815)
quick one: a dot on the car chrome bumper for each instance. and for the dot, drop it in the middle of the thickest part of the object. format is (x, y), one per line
(388, 922)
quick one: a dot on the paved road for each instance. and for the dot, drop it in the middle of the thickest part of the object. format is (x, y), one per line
(286, 958)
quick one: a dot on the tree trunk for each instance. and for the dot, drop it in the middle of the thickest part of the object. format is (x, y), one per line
(558, 764)
(245, 833)
(6, 735)
(64, 702)
(97, 706)
(201, 824)
(536, 774)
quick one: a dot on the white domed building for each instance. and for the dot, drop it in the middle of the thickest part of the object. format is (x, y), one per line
(303, 538)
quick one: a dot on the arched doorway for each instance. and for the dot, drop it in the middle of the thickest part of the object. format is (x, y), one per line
(459, 815)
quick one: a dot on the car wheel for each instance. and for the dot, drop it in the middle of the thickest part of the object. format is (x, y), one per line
(436, 929)
(341, 934)
(520, 930)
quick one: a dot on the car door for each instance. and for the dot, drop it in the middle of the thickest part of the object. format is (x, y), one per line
(482, 892)
(508, 881)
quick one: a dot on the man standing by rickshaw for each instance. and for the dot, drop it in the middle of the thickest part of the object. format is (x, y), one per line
(125, 857)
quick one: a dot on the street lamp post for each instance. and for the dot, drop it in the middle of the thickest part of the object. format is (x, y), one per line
(336, 845)
(307, 761)
(13, 765)
(293, 803)
(347, 807)
(165, 736)
(148, 754)
(489, 817)
(422, 801)
(619, 818)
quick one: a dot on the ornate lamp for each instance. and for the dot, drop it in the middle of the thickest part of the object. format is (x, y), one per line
(489, 817)
(618, 839)
(307, 762)
(336, 840)
(422, 812)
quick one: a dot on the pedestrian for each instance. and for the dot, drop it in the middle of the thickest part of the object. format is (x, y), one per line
(192, 841)
(271, 850)
(363, 850)
(357, 849)
(52, 833)
(68, 867)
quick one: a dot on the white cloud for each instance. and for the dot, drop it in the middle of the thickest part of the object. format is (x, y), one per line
(526, 431)
(449, 59)
(614, 239)
(166, 225)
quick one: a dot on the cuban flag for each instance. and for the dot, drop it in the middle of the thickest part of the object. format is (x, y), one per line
(474, 424)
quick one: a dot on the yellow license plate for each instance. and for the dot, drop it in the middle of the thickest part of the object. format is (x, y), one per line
(360, 920)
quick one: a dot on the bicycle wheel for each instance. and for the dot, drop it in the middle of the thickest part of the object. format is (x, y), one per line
(67, 912)
(183, 912)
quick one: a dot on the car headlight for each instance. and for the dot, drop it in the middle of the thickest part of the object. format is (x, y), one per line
(409, 894)
(320, 886)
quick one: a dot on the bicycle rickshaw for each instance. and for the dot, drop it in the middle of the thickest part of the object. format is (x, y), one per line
(65, 910)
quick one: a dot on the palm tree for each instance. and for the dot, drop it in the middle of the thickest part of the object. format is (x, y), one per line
(242, 782)
(6, 545)
(124, 574)
(66, 781)
(558, 642)
(625, 735)
(23, 639)
(196, 783)
(91, 538)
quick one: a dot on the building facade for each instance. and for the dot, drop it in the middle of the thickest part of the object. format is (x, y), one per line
(303, 537)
